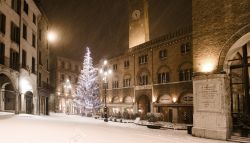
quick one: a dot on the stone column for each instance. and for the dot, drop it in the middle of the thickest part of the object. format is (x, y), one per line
(1, 100)
(175, 115)
(23, 103)
(17, 103)
(212, 113)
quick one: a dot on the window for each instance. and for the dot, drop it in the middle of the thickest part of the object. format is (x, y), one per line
(126, 64)
(24, 55)
(143, 59)
(62, 77)
(115, 84)
(185, 74)
(14, 60)
(2, 51)
(69, 66)
(47, 65)
(126, 82)
(15, 33)
(2, 23)
(34, 18)
(16, 5)
(185, 48)
(24, 31)
(40, 58)
(33, 69)
(63, 65)
(39, 79)
(163, 54)
(33, 40)
(114, 67)
(26, 7)
(163, 77)
(143, 79)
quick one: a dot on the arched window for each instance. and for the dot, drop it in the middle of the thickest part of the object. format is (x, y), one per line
(187, 99)
(116, 99)
(128, 99)
(126, 81)
(63, 65)
(185, 72)
(143, 79)
(163, 75)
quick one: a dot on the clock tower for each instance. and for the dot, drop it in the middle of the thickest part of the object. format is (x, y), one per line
(138, 22)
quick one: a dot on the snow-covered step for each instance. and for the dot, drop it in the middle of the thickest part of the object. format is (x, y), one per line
(239, 139)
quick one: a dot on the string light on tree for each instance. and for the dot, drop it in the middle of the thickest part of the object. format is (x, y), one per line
(88, 90)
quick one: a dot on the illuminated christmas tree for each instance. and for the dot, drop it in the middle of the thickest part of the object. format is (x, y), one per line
(88, 90)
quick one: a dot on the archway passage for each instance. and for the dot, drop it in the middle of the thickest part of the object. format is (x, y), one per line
(29, 102)
(239, 80)
(143, 104)
(8, 94)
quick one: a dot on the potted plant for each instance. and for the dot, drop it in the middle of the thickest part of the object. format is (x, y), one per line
(152, 119)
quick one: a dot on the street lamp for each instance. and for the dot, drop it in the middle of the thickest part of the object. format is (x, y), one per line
(51, 36)
(105, 72)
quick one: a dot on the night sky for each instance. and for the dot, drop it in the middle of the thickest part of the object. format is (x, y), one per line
(102, 25)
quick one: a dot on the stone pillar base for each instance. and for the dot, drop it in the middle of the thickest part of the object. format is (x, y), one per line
(212, 112)
(212, 134)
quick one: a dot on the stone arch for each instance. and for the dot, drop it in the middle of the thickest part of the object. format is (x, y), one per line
(163, 68)
(143, 104)
(233, 42)
(10, 78)
(128, 100)
(184, 65)
(116, 99)
(29, 102)
(8, 93)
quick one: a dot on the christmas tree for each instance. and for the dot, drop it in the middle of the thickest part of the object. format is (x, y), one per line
(88, 90)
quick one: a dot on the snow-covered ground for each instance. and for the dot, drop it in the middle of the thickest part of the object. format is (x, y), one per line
(59, 128)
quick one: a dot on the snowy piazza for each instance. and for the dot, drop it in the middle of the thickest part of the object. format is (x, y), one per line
(124, 71)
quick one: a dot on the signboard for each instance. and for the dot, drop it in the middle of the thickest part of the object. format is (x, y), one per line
(208, 95)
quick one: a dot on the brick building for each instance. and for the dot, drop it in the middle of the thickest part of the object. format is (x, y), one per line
(221, 37)
(154, 75)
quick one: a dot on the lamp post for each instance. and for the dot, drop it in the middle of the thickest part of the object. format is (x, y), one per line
(105, 72)
(52, 37)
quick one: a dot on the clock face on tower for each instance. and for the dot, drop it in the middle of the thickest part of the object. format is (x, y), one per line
(136, 14)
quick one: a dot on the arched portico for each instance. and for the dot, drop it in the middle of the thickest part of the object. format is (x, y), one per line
(143, 104)
(29, 102)
(8, 94)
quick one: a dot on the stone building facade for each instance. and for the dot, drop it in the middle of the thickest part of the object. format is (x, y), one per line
(18, 56)
(43, 74)
(153, 75)
(67, 72)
